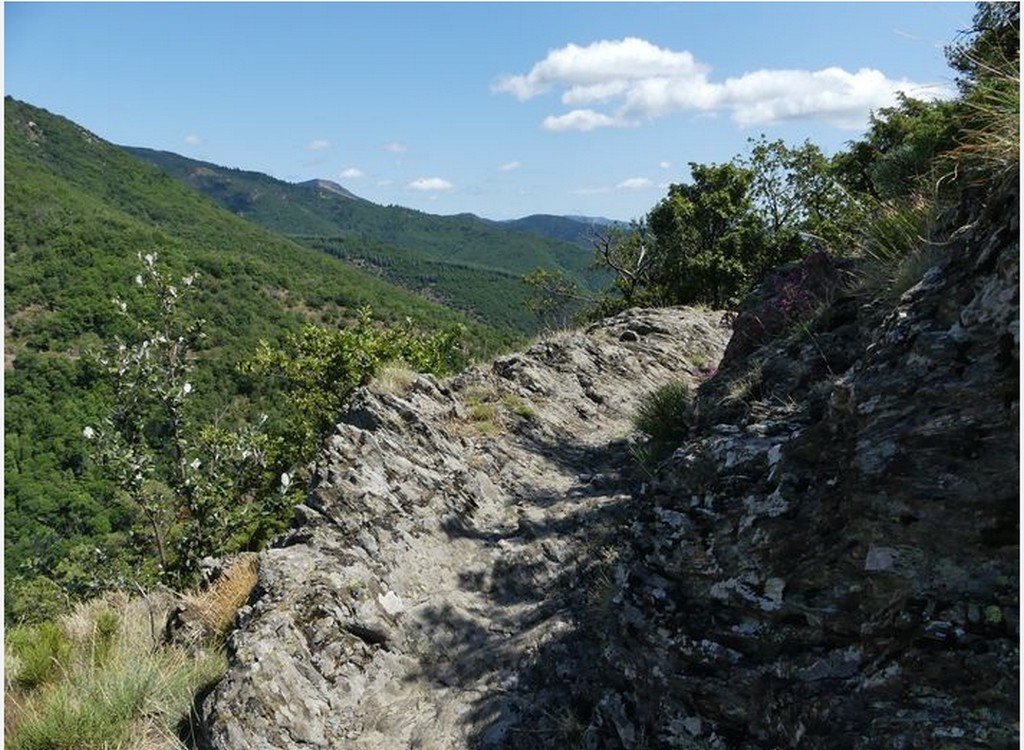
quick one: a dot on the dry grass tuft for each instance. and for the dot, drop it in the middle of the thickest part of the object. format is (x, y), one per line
(394, 379)
(217, 606)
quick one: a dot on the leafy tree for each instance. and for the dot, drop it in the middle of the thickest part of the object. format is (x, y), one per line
(795, 193)
(708, 243)
(899, 148)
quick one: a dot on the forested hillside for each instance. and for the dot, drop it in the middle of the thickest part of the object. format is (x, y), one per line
(464, 261)
(78, 215)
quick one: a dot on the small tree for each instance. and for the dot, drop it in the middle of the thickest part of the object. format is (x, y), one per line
(628, 253)
(555, 297)
(708, 242)
(196, 486)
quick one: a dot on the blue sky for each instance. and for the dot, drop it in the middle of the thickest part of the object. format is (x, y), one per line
(501, 110)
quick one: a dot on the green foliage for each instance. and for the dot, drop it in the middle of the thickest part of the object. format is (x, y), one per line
(664, 415)
(710, 241)
(795, 194)
(556, 300)
(627, 252)
(898, 150)
(708, 245)
(196, 487)
(988, 151)
(77, 211)
(496, 297)
(896, 247)
(469, 263)
(317, 369)
(991, 45)
(919, 158)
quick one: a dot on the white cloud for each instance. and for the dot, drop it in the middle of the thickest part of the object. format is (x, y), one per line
(395, 147)
(430, 184)
(620, 83)
(599, 70)
(352, 173)
(634, 183)
(665, 164)
(319, 145)
(510, 166)
(193, 140)
(583, 119)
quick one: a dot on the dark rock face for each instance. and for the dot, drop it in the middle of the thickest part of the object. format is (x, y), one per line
(840, 571)
(786, 296)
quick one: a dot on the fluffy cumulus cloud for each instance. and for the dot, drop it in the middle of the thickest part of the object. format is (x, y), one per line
(430, 184)
(352, 173)
(626, 82)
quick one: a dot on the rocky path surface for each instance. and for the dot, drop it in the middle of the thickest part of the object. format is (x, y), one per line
(455, 552)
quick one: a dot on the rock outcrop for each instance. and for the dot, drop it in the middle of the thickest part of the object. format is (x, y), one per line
(438, 589)
(829, 561)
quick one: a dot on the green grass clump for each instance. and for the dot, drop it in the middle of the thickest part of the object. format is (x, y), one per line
(520, 408)
(664, 416)
(40, 653)
(113, 686)
(896, 248)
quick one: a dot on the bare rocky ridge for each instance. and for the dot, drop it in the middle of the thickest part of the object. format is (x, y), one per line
(828, 562)
(439, 589)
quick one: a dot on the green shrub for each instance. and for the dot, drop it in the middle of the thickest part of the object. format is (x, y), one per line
(895, 244)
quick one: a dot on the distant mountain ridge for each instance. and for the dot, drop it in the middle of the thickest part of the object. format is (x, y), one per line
(579, 230)
(465, 262)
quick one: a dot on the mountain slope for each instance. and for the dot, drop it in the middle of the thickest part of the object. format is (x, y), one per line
(294, 209)
(467, 262)
(78, 211)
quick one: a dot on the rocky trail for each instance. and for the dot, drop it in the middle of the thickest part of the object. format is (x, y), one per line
(456, 555)
(829, 560)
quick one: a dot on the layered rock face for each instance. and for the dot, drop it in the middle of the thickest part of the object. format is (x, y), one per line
(437, 591)
(829, 561)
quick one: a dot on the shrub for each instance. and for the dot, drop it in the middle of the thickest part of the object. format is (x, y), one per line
(894, 244)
